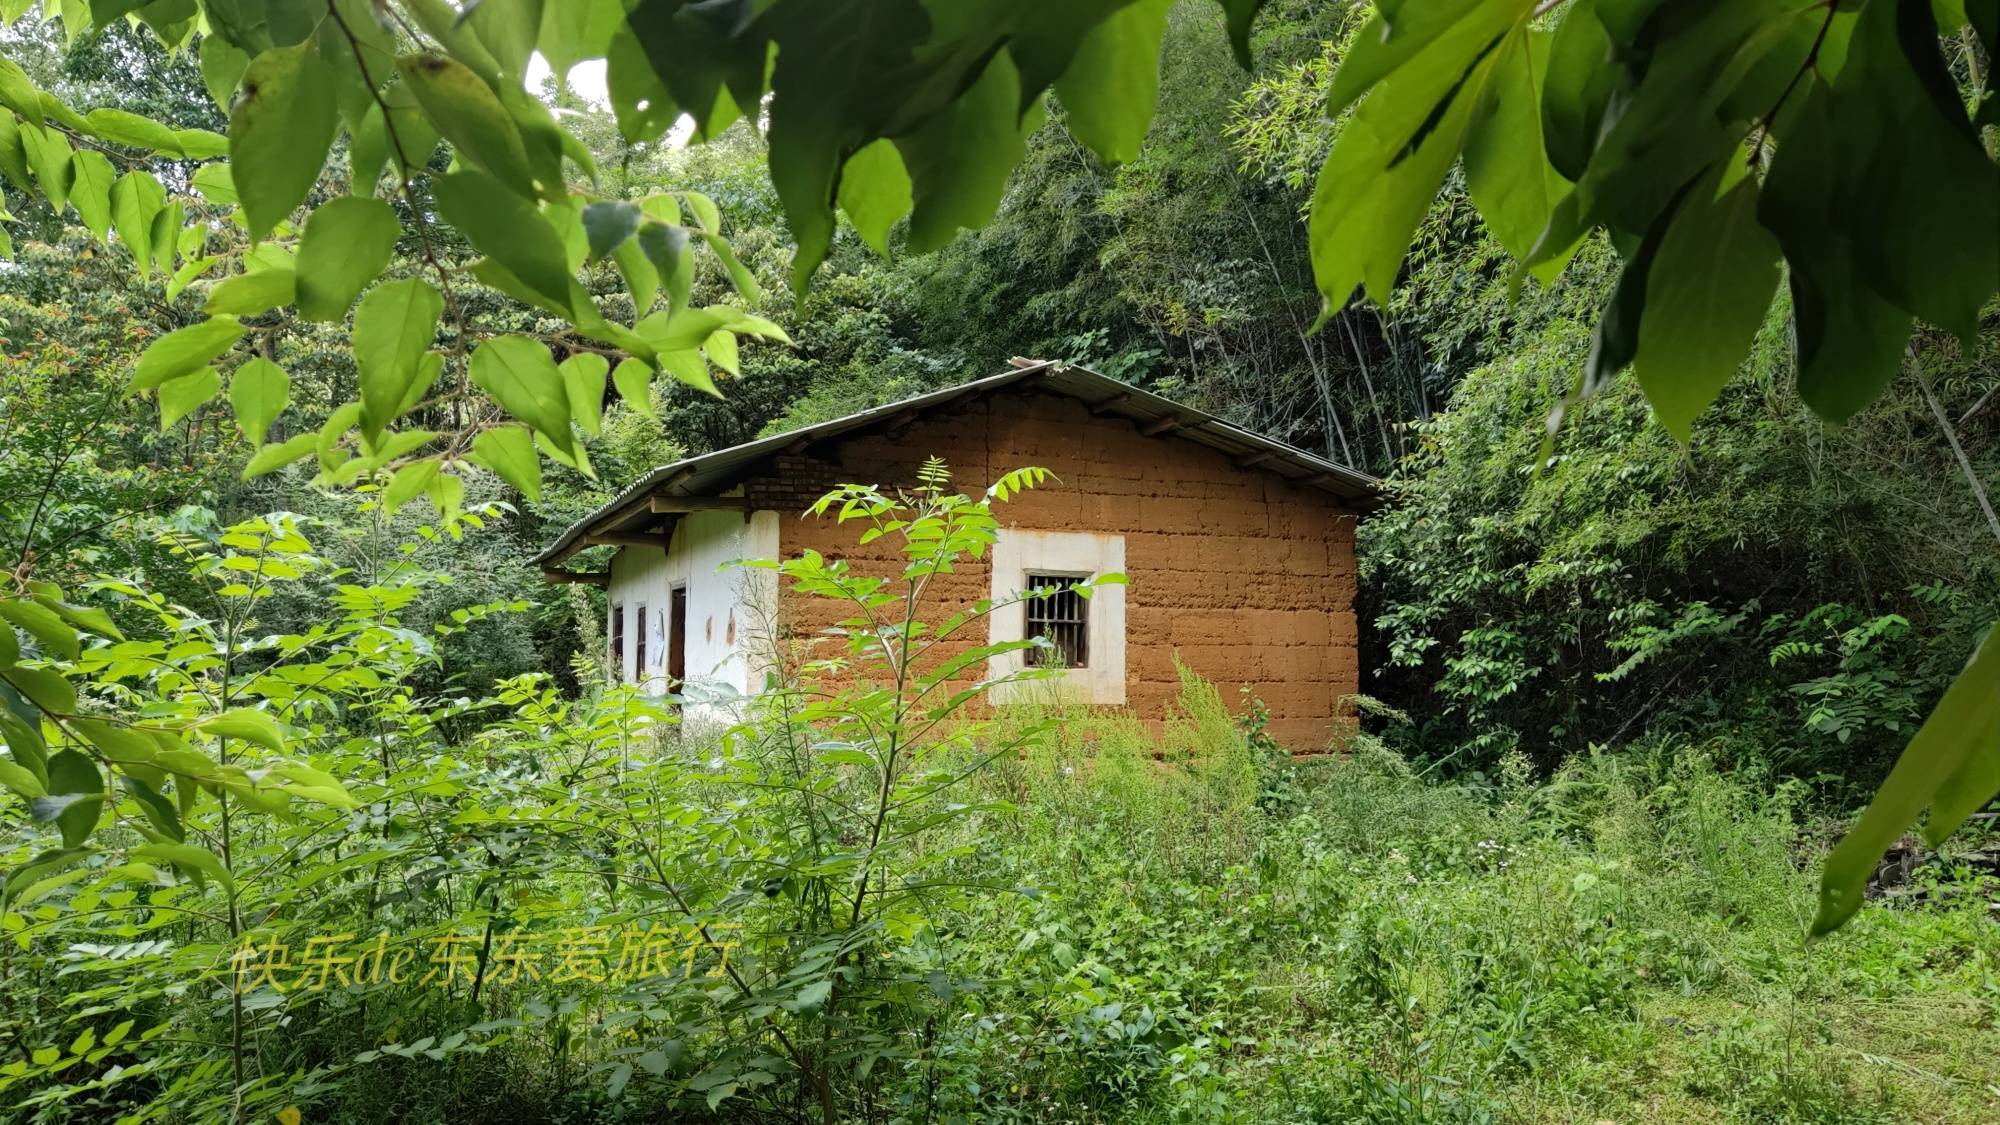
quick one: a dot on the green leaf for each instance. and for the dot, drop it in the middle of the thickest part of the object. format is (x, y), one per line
(507, 229)
(393, 329)
(258, 392)
(185, 350)
(41, 867)
(248, 294)
(20, 781)
(1507, 171)
(510, 452)
(49, 157)
(91, 177)
(222, 67)
(157, 808)
(1577, 90)
(408, 482)
(14, 155)
(247, 724)
(118, 744)
(583, 387)
(21, 728)
(1113, 82)
(180, 397)
(44, 688)
(607, 224)
(1386, 166)
(279, 133)
(740, 277)
(200, 144)
(641, 279)
(347, 242)
(196, 861)
(666, 247)
(166, 232)
(73, 776)
(720, 348)
(273, 457)
(135, 200)
(634, 381)
(574, 30)
(959, 160)
(1240, 14)
(469, 115)
(1920, 197)
(132, 130)
(1421, 44)
(19, 93)
(1706, 295)
(55, 635)
(1962, 729)
(518, 372)
(875, 192)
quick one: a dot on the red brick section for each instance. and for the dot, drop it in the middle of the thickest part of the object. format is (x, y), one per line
(1249, 578)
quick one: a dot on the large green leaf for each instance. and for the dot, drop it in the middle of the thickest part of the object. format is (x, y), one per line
(1113, 80)
(510, 452)
(1507, 170)
(135, 199)
(959, 160)
(1389, 160)
(248, 294)
(51, 632)
(49, 158)
(574, 30)
(393, 329)
(507, 229)
(247, 724)
(583, 387)
(468, 113)
(1947, 762)
(181, 397)
(1578, 88)
(279, 133)
(258, 391)
(76, 796)
(198, 862)
(520, 375)
(1919, 195)
(347, 242)
(825, 95)
(91, 177)
(1850, 338)
(133, 131)
(184, 350)
(875, 192)
(222, 67)
(1706, 294)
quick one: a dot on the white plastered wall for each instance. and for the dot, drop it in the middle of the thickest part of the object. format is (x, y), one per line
(1016, 552)
(728, 608)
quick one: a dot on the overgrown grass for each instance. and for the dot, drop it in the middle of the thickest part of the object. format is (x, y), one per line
(1208, 931)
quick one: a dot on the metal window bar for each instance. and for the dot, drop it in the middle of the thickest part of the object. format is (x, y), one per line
(1057, 611)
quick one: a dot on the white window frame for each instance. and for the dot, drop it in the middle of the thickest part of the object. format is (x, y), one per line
(1016, 553)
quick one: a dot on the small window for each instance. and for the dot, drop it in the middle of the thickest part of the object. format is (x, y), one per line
(677, 640)
(1058, 611)
(639, 657)
(617, 659)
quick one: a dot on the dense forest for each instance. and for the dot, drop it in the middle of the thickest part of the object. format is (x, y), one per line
(284, 701)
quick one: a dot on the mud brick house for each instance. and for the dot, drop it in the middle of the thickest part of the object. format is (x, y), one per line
(1238, 550)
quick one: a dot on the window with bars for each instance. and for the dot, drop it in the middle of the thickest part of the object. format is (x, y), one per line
(1058, 611)
(617, 661)
(639, 670)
